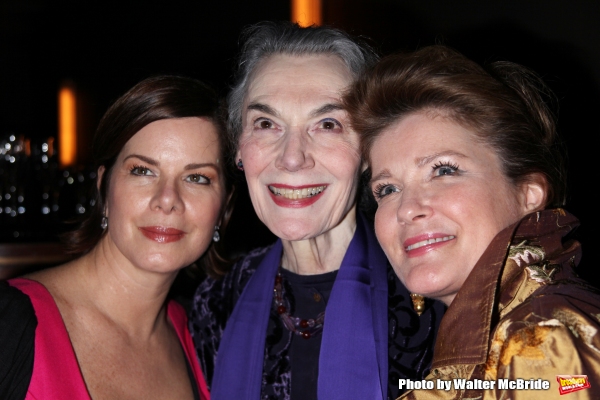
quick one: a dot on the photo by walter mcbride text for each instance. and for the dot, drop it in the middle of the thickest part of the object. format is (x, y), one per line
(475, 384)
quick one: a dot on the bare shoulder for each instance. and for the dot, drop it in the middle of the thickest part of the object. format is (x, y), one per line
(60, 281)
(113, 362)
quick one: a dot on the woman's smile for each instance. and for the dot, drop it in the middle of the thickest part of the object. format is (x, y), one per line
(296, 196)
(418, 245)
(161, 234)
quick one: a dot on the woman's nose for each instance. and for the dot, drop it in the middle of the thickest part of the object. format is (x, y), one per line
(413, 207)
(167, 198)
(294, 154)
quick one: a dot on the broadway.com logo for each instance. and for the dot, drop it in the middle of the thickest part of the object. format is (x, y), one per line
(572, 383)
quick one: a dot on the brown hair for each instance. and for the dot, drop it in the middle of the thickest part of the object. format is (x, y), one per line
(505, 104)
(153, 99)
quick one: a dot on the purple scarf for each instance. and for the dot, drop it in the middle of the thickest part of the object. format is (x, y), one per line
(353, 356)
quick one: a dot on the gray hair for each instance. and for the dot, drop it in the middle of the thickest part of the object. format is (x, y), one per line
(268, 38)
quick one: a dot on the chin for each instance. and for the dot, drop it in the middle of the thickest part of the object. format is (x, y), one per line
(294, 230)
(293, 236)
(423, 290)
(424, 284)
(164, 264)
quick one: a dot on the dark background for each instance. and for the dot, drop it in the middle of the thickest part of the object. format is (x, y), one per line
(106, 47)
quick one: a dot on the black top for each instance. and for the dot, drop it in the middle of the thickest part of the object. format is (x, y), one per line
(17, 339)
(410, 338)
(307, 296)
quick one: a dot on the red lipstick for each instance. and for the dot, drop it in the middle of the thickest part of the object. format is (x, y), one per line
(283, 201)
(161, 234)
(421, 244)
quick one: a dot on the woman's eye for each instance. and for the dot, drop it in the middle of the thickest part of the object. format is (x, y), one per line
(197, 178)
(383, 190)
(442, 169)
(140, 171)
(329, 124)
(264, 124)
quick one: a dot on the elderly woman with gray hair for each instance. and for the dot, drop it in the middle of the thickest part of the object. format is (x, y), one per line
(320, 313)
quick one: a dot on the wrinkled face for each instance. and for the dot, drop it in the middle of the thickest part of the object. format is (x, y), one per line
(300, 157)
(442, 197)
(165, 194)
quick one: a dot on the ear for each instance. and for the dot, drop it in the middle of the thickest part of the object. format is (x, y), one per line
(101, 171)
(534, 191)
(238, 155)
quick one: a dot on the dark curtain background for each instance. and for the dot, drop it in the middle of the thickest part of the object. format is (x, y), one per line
(106, 47)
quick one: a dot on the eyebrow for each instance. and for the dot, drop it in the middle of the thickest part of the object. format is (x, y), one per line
(202, 165)
(143, 158)
(263, 108)
(385, 174)
(327, 108)
(188, 167)
(421, 161)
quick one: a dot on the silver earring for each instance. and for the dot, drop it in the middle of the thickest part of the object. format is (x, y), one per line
(216, 235)
(104, 222)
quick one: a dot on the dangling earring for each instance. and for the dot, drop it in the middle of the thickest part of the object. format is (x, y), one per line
(104, 222)
(216, 235)
(240, 165)
(418, 303)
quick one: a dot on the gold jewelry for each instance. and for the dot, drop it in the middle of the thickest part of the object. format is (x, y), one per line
(418, 303)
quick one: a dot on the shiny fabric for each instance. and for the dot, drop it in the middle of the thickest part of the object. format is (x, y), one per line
(404, 343)
(522, 313)
(56, 373)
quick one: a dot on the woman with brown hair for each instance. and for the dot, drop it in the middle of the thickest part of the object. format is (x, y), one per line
(105, 328)
(469, 181)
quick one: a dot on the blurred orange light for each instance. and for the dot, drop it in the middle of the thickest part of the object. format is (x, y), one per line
(67, 135)
(306, 12)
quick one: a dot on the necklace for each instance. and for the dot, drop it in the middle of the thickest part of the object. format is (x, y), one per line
(306, 328)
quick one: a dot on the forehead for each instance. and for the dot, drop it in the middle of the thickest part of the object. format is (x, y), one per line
(193, 137)
(422, 135)
(290, 76)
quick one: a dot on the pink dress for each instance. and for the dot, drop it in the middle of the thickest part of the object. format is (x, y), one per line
(56, 373)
